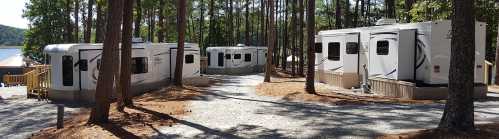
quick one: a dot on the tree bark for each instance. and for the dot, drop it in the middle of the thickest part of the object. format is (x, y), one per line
(161, 31)
(496, 78)
(408, 7)
(138, 19)
(181, 22)
(390, 9)
(286, 37)
(309, 87)
(348, 17)
(262, 22)
(356, 14)
(270, 42)
(247, 30)
(301, 60)
(294, 37)
(100, 23)
(338, 15)
(68, 27)
(126, 56)
(459, 109)
(100, 112)
(77, 20)
(88, 27)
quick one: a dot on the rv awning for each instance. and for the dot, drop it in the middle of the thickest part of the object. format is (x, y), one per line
(12, 62)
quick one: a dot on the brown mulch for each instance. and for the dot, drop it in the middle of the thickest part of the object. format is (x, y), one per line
(294, 89)
(152, 110)
(485, 131)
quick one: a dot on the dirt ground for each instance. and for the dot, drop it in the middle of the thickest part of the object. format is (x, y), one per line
(152, 110)
(485, 131)
(291, 89)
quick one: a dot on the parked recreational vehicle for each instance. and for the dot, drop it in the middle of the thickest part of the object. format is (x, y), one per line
(236, 60)
(75, 68)
(403, 60)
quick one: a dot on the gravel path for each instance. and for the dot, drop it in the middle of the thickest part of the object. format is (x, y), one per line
(21, 117)
(233, 110)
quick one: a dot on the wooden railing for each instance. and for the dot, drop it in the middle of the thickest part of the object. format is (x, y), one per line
(37, 81)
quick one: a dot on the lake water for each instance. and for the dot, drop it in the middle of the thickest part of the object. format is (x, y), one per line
(8, 52)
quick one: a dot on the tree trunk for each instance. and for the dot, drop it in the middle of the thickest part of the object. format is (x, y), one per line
(459, 109)
(247, 30)
(301, 62)
(138, 19)
(211, 29)
(270, 42)
(356, 14)
(77, 20)
(88, 27)
(348, 17)
(201, 28)
(286, 38)
(362, 13)
(68, 27)
(496, 79)
(262, 22)
(338, 14)
(294, 37)
(181, 23)
(161, 33)
(100, 23)
(390, 9)
(100, 112)
(328, 14)
(309, 87)
(126, 57)
(408, 7)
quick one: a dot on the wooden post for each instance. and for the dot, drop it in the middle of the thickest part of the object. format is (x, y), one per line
(60, 116)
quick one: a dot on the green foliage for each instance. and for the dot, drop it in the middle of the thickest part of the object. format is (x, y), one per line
(431, 10)
(10, 36)
(46, 25)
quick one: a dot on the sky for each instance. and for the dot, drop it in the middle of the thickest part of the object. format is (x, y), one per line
(11, 12)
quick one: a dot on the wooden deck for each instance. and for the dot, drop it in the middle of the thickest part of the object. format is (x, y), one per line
(36, 80)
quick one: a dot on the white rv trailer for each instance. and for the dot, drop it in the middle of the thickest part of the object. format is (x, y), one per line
(406, 60)
(75, 68)
(236, 60)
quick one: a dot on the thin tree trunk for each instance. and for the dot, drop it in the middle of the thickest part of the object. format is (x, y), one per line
(211, 29)
(77, 20)
(338, 15)
(328, 14)
(270, 41)
(362, 13)
(262, 22)
(496, 79)
(88, 27)
(293, 38)
(348, 17)
(408, 7)
(356, 14)
(309, 87)
(126, 57)
(301, 62)
(286, 37)
(161, 33)
(68, 26)
(247, 31)
(390, 9)
(100, 23)
(100, 112)
(459, 109)
(138, 19)
(181, 22)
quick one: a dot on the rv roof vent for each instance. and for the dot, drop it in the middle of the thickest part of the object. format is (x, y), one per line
(240, 45)
(384, 21)
(137, 40)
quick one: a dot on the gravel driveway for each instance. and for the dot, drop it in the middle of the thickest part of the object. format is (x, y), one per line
(21, 117)
(233, 110)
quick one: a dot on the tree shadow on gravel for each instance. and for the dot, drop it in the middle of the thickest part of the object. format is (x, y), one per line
(205, 129)
(118, 131)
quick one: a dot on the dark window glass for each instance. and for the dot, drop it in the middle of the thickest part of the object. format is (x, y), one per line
(139, 65)
(382, 47)
(227, 56)
(237, 56)
(352, 48)
(67, 70)
(318, 47)
(247, 57)
(189, 59)
(221, 59)
(333, 51)
(83, 65)
(209, 59)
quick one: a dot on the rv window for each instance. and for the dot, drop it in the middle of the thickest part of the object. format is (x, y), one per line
(318, 47)
(227, 56)
(189, 59)
(382, 47)
(220, 59)
(333, 51)
(352, 48)
(139, 65)
(209, 58)
(67, 70)
(83, 65)
(247, 57)
(237, 56)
